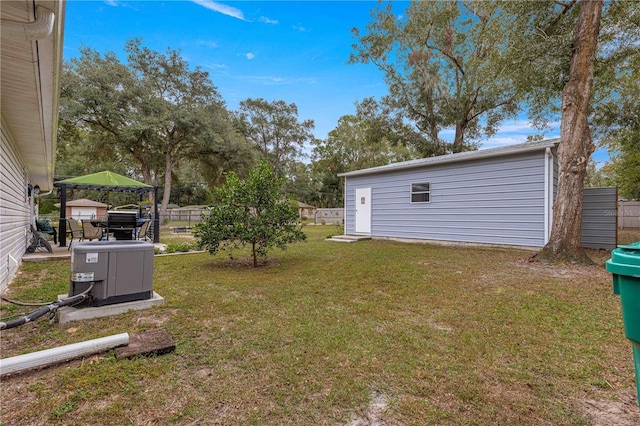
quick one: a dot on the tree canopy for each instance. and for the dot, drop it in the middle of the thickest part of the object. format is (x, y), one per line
(443, 65)
(274, 129)
(367, 139)
(151, 113)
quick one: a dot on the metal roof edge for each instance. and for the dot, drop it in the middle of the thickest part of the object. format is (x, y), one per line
(458, 157)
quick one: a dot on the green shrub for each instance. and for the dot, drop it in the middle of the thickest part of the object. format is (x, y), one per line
(179, 248)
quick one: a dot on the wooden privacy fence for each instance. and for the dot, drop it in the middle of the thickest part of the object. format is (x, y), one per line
(628, 214)
(188, 216)
(330, 216)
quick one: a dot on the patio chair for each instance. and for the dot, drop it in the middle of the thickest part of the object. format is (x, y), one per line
(38, 242)
(91, 232)
(74, 230)
(143, 230)
(44, 227)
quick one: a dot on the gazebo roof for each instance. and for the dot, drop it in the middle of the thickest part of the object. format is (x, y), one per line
(105, 180)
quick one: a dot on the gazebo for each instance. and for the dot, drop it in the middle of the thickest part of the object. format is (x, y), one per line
(104, 181)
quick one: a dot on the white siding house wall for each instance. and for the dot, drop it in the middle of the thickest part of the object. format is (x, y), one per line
(14, 209)
(490, 200)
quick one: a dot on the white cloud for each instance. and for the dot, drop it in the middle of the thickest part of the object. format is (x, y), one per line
(514, 132)
(111, 3)
(250, 55)
(267, 20)
(217, 66)
(497, 141)
(509, 133)
(525, 126)
(207, 43)
(267, 80)
(221, 8)
(300, 28)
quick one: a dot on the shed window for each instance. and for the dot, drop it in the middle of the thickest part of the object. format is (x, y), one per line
(420, 192)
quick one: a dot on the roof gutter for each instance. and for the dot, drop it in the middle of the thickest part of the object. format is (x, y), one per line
(39, 29)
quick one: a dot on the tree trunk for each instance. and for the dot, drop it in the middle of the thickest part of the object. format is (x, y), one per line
(255, 255)
(458, 141)
(167, 185)
(576, 145)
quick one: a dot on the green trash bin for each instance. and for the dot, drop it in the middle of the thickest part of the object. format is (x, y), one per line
(624, 265)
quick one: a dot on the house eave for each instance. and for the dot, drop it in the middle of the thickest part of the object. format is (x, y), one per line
(31, 70)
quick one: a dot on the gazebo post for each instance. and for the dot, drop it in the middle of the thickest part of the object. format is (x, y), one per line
(62, 225)
(156, 217)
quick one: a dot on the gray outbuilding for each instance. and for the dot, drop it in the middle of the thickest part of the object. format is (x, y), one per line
(499, 196)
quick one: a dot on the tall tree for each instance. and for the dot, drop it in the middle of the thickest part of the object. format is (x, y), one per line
(443, 66)
(180, 106)
(299, 182)
(367, 139)
(274, 129)
(152, 112)
(616, 118)
(576, 145)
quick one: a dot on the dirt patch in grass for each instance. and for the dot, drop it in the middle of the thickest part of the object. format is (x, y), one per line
(620, 412)
(154, 318)
(571, 272)
(373, 415)
(243, 263)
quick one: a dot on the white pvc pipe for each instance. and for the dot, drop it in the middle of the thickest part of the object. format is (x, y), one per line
(64, 353)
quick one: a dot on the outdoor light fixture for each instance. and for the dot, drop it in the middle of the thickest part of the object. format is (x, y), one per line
(36, 190)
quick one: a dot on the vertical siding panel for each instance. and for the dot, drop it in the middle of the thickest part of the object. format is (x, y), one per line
(14, 210)
(599, 218)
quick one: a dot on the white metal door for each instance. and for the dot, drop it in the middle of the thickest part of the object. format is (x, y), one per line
(363, 210)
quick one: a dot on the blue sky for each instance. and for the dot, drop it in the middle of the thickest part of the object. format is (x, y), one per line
(295, 51)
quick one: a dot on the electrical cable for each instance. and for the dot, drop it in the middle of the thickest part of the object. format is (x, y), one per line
(53, 307)
(15, 302)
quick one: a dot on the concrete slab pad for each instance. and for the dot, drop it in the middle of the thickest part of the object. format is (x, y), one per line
(150, 342)
(339, 240)
(69, 313)
(348, 238)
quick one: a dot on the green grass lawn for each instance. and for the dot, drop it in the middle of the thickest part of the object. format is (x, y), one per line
(334, 333)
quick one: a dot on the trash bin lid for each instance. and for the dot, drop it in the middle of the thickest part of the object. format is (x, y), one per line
(625, 260)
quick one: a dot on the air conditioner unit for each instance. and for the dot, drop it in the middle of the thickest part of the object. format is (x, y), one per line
(120, 271)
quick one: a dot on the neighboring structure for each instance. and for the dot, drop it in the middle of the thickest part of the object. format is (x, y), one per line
(86, 209)
(31, 58)
(305, 211)
(494, 196)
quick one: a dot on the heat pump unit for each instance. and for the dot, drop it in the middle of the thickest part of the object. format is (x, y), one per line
(120, 271)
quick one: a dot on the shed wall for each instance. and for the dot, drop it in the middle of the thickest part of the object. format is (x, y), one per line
(490, 201)
(599, 218)
(14, 209)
